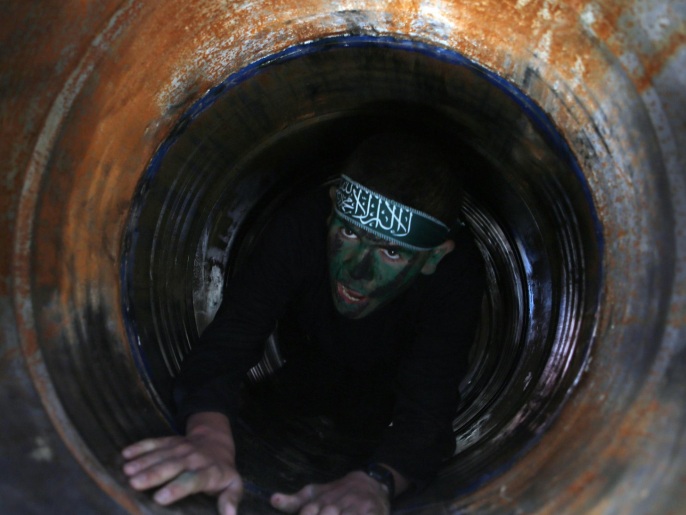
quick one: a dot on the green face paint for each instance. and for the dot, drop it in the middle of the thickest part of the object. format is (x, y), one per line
(365, 271)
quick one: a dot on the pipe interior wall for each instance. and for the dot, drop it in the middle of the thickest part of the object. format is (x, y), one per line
(91, 90)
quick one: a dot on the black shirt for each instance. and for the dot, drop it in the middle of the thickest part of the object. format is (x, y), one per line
(403, 363)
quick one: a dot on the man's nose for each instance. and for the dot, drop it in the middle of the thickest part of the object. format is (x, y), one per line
(361, 265)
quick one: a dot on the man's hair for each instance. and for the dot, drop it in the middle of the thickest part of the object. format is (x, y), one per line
(409, 169)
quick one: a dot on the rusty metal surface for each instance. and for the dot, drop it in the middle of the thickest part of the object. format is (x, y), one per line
(533, 218)
(90, 89)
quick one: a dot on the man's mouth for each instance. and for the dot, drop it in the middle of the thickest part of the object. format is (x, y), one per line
(349, 295)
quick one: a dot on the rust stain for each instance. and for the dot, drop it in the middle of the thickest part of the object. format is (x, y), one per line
(561, 48)
(654, 63)
(32, 89)
(615, 24)
(581, 485)
(8, 357)
(159, 59)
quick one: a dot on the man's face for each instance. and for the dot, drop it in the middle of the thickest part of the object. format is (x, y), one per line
(367, 272)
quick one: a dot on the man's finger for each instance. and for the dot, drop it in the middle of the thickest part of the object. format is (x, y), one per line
(311, 509)
(183, 485)
(147, 461)
(157, 474)
(227, 503)
(174, 450)
(287, 503)
(145, 446)
(293, 503)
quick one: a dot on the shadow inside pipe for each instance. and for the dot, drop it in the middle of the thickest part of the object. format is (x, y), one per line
(285, 124)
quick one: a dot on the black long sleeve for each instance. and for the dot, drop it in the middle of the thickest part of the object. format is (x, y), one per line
(254, 299)
(411, 354)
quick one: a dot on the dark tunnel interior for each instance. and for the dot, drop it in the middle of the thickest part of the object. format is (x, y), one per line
(285, 124)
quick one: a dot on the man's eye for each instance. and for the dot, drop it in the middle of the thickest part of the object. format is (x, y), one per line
(391, 254)
(348, 233)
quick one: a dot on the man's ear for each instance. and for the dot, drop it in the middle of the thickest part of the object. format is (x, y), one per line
(436, 255)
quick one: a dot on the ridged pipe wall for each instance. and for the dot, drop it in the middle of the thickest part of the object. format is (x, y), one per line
(139, 144)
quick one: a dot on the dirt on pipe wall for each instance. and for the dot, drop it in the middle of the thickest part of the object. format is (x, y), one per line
(90, 92)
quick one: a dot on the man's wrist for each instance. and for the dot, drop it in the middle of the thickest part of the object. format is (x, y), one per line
(383, 476)
(208, 420)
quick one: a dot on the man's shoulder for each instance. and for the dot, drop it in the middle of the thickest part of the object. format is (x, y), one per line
(465, 259)
(460, 277)
(288, 254)
(448, 302)
(295, 233)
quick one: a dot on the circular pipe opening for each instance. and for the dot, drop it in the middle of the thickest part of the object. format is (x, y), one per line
(607, 73)
(284, 124)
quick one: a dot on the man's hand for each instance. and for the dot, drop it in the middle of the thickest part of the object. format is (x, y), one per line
(354, 494)
(201, 461)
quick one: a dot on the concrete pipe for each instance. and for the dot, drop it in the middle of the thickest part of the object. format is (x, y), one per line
(145, 143)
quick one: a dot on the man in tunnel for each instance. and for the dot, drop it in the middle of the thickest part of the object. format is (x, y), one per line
(385, 335)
